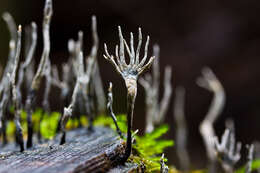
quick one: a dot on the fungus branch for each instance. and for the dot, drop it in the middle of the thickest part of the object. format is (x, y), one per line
(210, 82)
(181, 129)
(129, 72)
(228, 151)
(12, 48)
(42, 66)
(97, 82)
(155, 111)
(64, 83)
(110, 108)
(19, 134)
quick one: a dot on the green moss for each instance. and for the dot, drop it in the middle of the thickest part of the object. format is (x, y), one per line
(255, 166)
(148, 149)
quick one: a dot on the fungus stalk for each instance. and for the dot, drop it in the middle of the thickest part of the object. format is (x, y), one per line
(155, 110)
(129, 72)
(250, 158)
(67, 113)
(181, 129)
(210, 82)
(110, 108)
(48, 82)
(5, 81)
(18, 132)
(40, 71)
(29, 56)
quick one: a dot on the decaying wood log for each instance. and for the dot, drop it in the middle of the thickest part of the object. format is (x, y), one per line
(83, 152)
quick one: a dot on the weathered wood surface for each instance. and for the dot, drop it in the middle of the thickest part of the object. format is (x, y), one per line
(83, 152)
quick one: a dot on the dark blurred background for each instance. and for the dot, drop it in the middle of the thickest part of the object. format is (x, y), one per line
(224, 35)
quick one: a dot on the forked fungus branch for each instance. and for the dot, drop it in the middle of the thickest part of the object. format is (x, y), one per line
(18, 132)
(155, 110)
(210, 82)
(228, 151)
(67, 113)
(32, 41)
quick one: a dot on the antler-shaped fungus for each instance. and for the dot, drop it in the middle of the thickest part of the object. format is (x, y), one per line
(227, 151)
(129, 72)
(48, 11)
(29, 55)
(155, 111)
(181, 129)
(210, 82)
(5, 81)
(84, 76)
(68, 111)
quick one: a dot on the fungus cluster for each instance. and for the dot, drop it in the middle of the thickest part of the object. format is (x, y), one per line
(19, 83)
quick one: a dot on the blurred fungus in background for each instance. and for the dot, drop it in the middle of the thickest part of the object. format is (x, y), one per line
(224, 35)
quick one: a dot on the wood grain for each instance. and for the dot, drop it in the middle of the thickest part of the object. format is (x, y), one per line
(98, 151)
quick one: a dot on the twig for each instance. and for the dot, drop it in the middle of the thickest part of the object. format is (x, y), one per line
(40, 71)
(155, 111)
(19, 134)
(210, 82)
(129, 72)
(181, 129)
(250, 158)
(110, 108)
